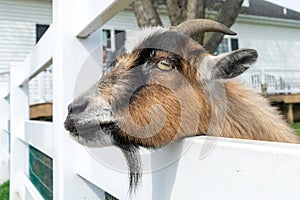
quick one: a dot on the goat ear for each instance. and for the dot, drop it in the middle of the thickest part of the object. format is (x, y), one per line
(231, 64)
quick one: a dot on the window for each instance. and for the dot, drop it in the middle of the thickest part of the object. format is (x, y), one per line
(113, 40)
(246, 3)
(120, 39)
(227, 44)
(106, 39)
(40, 30)
(234, 44)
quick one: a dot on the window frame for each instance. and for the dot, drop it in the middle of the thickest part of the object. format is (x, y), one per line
(229, 43)
(40, 30)
(112, 38)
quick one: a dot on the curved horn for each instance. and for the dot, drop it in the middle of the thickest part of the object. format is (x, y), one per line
(197, 26)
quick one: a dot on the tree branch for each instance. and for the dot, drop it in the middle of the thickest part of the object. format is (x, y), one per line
(146, 13)
(176, 11)
(196, 10)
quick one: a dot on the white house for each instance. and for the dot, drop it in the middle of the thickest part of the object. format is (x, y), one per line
(22, 22)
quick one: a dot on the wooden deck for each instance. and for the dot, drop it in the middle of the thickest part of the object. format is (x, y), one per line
(286, 98)
(289, 100)
(42, 111)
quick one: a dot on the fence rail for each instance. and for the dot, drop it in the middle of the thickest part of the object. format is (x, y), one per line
(235, 169)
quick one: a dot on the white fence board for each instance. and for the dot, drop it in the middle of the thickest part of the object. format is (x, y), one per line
(234, 169)
(230, 168)
(39, 135)
(19, 112)
(40, 57)
(4, 158)
(113, 181)
(29, 189)
(99, 12)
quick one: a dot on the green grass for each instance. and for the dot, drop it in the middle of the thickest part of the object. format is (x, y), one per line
(296, 126)
(4, 191)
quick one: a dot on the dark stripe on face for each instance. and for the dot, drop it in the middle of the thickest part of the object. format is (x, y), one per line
(173, 42)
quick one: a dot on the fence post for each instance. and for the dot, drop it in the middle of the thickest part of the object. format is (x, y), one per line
(69, 55)
(263, 85)
(4, 139)
(19, 112)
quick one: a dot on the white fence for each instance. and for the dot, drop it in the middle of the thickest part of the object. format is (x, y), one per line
(285, 81)
(206, 167)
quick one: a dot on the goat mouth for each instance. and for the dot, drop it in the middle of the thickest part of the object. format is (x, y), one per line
(78, 130)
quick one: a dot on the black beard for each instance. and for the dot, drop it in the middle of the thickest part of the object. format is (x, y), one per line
(130, 152)
(134, 165)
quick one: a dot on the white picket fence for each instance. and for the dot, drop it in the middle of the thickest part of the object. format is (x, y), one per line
(195, 168)
(285, 81)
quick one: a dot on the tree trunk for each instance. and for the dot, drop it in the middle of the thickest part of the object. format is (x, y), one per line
(146, 13)
(180, 10)
(176, 11)
(226, 15)
(196, 10)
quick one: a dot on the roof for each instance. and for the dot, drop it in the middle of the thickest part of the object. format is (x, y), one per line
(260, 8)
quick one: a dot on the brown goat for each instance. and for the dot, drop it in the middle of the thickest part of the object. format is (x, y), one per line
(166, 87)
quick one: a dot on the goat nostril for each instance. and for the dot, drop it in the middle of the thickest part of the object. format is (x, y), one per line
(77, 107)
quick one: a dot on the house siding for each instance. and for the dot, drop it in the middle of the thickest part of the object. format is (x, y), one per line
(17, 28)
(35, 11)
(278, 47)
(126, 20)
(18, 19)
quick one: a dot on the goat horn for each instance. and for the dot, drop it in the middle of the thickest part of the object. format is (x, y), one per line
(197, 26)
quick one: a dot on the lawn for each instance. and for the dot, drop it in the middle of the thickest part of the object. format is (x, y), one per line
(4, 191)
(297, 127)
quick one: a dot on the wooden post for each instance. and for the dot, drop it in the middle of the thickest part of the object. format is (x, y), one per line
(290, 113)
(264, 90)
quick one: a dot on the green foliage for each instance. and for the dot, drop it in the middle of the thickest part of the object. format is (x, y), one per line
(296, 126)
(4, 191)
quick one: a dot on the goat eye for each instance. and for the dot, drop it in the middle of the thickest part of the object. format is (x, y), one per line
(165, 65)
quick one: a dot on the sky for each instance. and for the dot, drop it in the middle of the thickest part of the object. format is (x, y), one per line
(291, 4)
